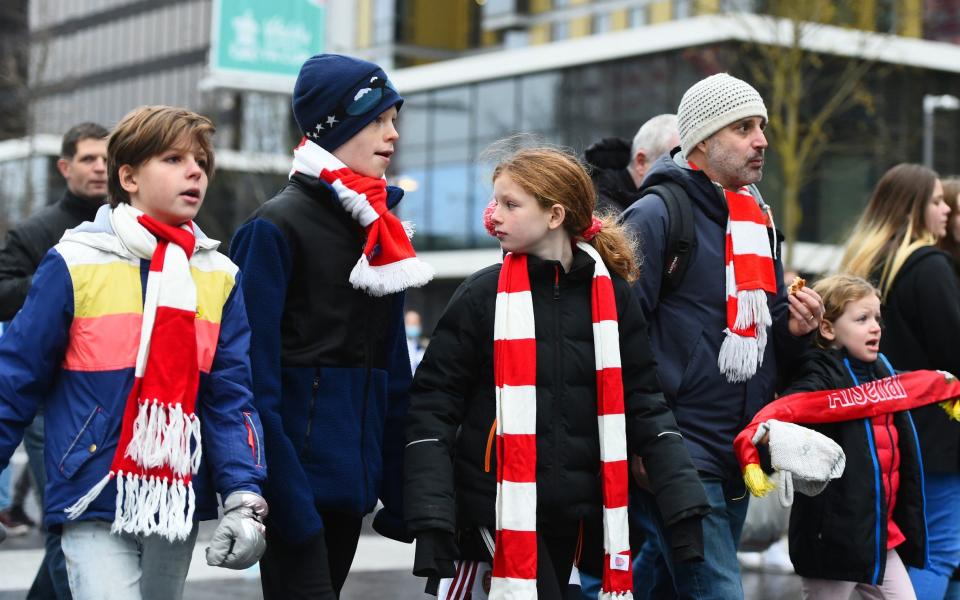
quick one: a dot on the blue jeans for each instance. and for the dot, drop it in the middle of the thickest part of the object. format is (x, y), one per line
(51, 580)
(943, 537)
(104, 566)
(718, 575)
(5, 476)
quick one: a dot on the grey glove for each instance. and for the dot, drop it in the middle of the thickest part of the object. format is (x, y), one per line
(239, 541)
(806, 459)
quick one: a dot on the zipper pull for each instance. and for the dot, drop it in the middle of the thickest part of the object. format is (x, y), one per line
(556, 283)
(316, 383)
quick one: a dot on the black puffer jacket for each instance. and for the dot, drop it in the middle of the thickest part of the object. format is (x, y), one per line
(28, 242)
(450, 482)
(922, 316)
(841, 534)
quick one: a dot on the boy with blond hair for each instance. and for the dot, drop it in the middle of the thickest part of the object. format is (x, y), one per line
(135, 339)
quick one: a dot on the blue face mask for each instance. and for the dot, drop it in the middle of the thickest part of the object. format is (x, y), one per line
(413, 331)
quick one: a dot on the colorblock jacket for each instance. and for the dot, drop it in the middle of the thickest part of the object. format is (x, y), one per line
(73, 347)
(330, 366)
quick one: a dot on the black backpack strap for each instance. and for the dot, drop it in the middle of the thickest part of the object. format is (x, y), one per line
(680, 234)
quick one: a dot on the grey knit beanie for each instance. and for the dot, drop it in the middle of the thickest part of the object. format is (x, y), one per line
(713, 103)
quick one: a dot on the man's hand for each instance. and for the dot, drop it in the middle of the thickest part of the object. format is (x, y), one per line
(806, 311)
(639, 472)
(238, 541)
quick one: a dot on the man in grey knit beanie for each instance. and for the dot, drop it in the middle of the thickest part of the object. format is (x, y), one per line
(716, 369)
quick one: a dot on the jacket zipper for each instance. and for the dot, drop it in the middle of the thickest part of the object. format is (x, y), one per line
(490, 437)
(253, 440)
(313, 401)
(557, 388)
(893, 450)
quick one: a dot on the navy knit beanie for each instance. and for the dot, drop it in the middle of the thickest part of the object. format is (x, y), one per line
(336, 96)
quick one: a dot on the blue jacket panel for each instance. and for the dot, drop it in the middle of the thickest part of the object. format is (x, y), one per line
(330, 366)
(687, 325)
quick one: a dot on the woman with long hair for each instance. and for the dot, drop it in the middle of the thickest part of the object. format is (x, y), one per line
(951, 241)
(894, 246)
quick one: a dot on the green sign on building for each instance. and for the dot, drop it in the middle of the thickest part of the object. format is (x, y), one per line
(260, 38)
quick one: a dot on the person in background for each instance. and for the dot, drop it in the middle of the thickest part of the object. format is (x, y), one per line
(618, 168)
(414, 332)
(950, 243)
(894, 247)
(83, 165)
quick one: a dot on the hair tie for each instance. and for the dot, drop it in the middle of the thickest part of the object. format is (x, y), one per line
(488, 217)
(591, 232)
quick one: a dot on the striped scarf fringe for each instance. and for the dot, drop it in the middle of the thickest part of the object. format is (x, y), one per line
(515, 367)
(159, 447)
(749, 277)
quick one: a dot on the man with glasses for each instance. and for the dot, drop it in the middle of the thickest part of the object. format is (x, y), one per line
(324, 265)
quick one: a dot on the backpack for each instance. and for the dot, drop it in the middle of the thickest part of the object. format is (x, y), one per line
(680, 235)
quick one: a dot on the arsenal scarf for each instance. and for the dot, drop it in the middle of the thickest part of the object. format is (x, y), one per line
(515, 375)
(159, 447)
(387, 263)
(882, 396)
(749, 276)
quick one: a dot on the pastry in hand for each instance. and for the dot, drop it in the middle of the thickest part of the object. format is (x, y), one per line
(797, 285)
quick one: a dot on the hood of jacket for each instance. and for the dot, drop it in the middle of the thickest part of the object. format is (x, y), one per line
(100, 234)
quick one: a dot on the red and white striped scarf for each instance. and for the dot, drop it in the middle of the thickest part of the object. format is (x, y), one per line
(388, 262)
(750, 276)
(515, 375)
(159, 446)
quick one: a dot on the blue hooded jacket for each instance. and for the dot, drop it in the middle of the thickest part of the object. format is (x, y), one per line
(687, 325)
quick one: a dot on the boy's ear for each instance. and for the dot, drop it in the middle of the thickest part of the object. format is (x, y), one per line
(128, 179)
(826, 330)
(557, 215)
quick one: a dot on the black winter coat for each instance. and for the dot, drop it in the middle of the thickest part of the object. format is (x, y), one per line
(450, 462)
(922, 316)
(841, 534)
(28, 242)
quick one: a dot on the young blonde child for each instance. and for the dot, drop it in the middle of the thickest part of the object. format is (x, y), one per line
(135, 340)
(538, 381)
(861, 530)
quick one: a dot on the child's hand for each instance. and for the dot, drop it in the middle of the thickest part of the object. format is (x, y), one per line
(806, 311)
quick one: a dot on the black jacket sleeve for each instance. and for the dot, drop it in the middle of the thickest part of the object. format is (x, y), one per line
(936, 310)
(437, 405)
(18, 262)
(652, 431)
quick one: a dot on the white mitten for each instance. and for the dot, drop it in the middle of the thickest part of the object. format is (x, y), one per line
(239, 541)
(807, 459)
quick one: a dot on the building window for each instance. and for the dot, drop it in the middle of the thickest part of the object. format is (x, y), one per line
(638, 17)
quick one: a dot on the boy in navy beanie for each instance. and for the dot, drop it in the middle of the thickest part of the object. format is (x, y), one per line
(324, 268)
